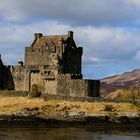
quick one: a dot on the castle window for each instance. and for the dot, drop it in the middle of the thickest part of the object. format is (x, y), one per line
(48, 80)
(35, 71)
(49, 72)
(54, 49)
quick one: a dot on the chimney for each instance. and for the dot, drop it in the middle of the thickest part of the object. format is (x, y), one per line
(20, 62)
(70, 34)
(38, 35)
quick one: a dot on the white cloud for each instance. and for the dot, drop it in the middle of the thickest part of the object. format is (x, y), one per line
(102, 46)
(109, 35)
(110, 44)
(135, 3)
(11, 10)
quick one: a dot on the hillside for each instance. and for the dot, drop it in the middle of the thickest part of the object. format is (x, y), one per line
(122, 81)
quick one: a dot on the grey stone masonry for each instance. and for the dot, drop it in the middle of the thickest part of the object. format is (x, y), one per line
(53, 63)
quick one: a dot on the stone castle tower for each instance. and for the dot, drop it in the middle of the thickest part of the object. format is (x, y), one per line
(54, 64)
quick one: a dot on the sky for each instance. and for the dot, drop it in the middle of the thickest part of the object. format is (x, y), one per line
(108, 31)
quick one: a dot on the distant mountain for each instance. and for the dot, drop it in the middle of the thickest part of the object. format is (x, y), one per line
(122, 81)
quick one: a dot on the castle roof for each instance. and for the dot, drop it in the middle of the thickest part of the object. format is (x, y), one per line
(52, 40)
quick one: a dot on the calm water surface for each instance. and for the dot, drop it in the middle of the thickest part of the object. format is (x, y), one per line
(45, 132)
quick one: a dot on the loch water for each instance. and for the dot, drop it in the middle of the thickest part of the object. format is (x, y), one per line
(41, 131)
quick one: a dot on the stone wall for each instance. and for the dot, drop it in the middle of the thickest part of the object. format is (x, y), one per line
(25, 76)
(84, 88)
(77, 87)
(18, 74)
(8, 82)
(35, 79)
(21, 78)
(95, 87)
(38, 56)
(63, 84)
(72, 61)
(50, 87)
(1, 74)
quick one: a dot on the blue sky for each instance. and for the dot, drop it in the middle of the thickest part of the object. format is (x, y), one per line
(108, 30)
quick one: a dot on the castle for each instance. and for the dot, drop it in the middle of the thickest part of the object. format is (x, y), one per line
(54, 64)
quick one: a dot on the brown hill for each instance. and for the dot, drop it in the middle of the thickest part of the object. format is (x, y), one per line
(122, 81)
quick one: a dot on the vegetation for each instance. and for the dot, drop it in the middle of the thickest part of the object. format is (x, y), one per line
(132, 93)
(35, 91)
(52, 107)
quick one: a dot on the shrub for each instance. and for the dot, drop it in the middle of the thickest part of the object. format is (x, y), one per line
(108, 107)
(35, 91)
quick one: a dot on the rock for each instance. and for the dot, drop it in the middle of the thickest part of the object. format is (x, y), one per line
(76, 113)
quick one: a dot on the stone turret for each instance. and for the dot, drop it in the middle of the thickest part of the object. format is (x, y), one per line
(70, 34)
(38, 35)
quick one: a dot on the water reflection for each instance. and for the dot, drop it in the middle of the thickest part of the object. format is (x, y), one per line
(44, 132)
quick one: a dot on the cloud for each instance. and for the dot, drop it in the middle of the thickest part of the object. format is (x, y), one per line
(106, 49)
(108, 30)
(110, 44)
(14, 38)
(11, 10)
(133, 3)
(73, 12)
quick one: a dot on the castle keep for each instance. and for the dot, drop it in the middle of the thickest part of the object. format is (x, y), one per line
(54, 64)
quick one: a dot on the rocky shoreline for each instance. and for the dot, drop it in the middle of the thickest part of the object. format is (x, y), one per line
(70, 117)
(24, 109)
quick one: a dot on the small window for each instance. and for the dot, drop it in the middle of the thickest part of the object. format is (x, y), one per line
(49, 72)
